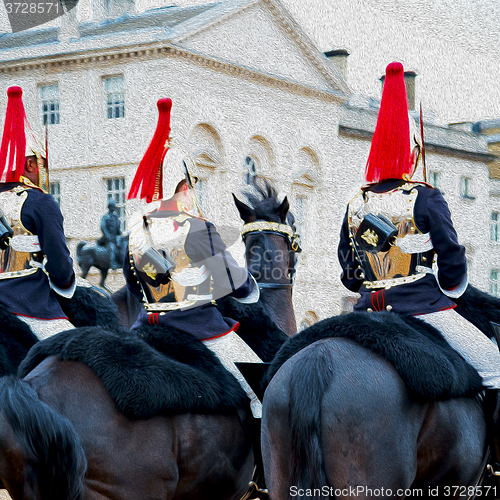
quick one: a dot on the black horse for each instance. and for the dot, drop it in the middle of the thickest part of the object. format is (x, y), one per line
(271, 250)
(340, 421)
(92, 254)
(271, 253)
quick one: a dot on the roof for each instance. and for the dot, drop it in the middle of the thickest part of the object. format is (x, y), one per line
(360, 122)
(165, 17)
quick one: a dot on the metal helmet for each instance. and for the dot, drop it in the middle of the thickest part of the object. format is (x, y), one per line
(164, 166)
(177, 175)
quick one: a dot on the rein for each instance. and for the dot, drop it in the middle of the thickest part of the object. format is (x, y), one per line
(284, 230)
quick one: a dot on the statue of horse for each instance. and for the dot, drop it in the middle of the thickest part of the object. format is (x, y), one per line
(339, 421)
(91, 254)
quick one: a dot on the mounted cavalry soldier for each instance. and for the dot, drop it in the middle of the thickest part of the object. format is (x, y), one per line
(178, 262)
(397, 227)
(36, 265)
(111, 234)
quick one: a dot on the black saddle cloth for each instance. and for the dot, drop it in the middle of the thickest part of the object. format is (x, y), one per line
(147, 371)
(430, 368)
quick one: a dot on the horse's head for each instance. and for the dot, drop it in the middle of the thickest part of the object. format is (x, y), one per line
(270, 239)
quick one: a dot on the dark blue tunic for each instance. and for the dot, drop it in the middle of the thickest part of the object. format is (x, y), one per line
(423, 296)
(31, 295)
(203, 245)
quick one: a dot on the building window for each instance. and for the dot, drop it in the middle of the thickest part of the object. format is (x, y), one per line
(465, 188)
(304, 324)
(300, 213)
(201, 193)
(434, 179)
(494, 282)
(49, 99)
(494, 226)
(115, 190)
(250, 170)
(55, 191)
(114, 88)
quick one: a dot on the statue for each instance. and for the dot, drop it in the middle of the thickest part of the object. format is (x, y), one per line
(109, 250)
(111, 234)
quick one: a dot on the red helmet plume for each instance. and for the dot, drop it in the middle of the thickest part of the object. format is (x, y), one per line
(150, 171)
(14, 137)
(390, 155)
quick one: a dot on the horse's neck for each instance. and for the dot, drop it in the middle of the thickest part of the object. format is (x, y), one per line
(279, 306)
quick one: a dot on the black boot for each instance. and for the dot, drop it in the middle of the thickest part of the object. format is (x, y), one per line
(256, 488)
(258, 480)
(492, 414)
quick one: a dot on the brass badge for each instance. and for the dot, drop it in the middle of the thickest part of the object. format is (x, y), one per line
(150, 270)
(371, 237)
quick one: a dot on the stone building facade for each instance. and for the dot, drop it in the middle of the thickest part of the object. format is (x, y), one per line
(251, 95)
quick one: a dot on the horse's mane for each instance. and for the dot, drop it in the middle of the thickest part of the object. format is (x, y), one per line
(55, 460)
(256, 328)
(90, 307)
(262, 198)
(480, 308)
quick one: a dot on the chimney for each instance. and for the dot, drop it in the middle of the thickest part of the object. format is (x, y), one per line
(409, 77)
(111, 9)
(338, 58)
(68, 30)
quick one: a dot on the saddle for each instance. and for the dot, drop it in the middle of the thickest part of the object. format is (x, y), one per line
(430, 368)
(147, 371)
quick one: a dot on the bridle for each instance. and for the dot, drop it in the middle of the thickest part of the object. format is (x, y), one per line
(284, 230)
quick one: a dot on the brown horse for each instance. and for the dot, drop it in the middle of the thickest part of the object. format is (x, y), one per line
(40, 453)
(186, 456)
(339, 422)
(180, 456)
(62, 437)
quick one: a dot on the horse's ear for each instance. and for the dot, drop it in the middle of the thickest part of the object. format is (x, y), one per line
(283, 209)
(246, 213)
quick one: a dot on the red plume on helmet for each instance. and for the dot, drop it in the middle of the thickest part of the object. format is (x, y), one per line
(390, 150)
(150, 171)
(13, 148)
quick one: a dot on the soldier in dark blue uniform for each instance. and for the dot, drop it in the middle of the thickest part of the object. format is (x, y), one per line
(396, 227)
(35, 262)
(398, 248)
(178, 264)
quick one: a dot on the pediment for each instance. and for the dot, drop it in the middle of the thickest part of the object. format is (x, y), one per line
(261, 35)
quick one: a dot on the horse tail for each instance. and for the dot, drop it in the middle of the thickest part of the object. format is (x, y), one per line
(309, 382)
(79, 248)
(54, 460)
